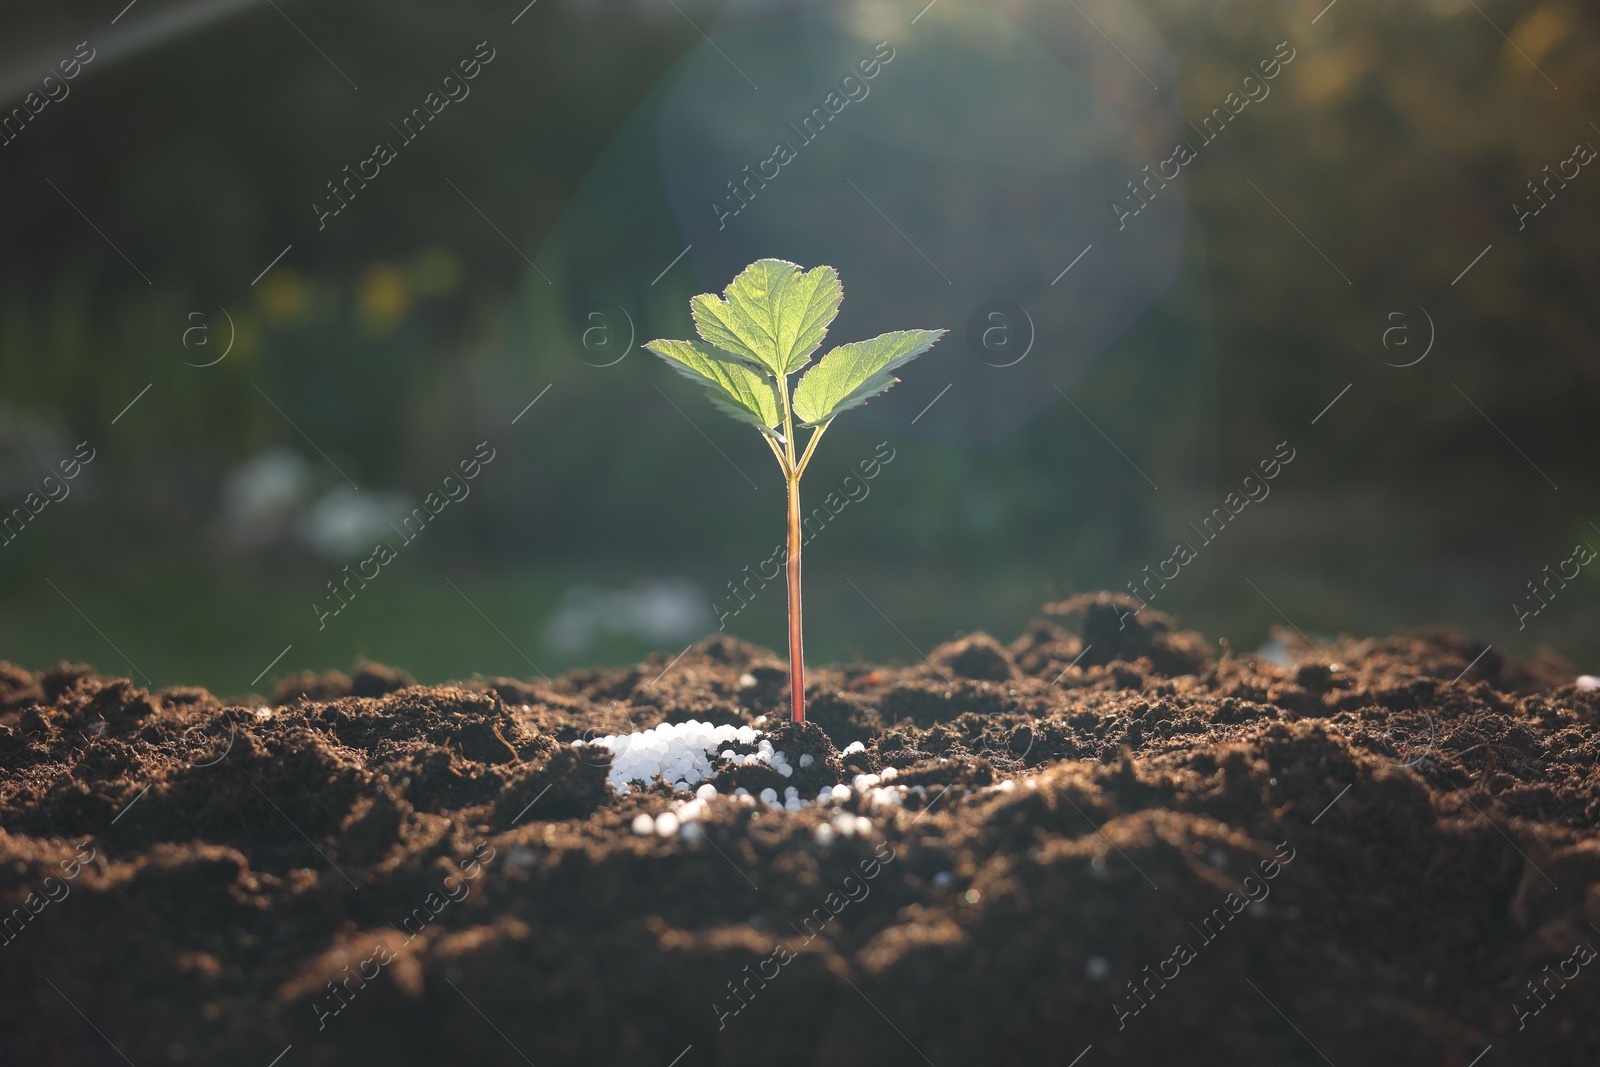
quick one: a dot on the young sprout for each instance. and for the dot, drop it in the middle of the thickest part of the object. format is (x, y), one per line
(764, 328)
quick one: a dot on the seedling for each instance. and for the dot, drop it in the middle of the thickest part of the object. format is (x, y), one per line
(764, 328)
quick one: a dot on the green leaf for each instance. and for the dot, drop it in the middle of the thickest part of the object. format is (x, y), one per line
(852, 374)
(774, 316)
(734, 388)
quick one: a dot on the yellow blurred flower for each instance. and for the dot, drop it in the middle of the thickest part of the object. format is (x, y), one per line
(435, 272)
(383, 298)
(284, 295)
(1542, 29)
(1329, 75)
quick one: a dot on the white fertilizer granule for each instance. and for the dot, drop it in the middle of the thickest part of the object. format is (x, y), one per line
(680, 754)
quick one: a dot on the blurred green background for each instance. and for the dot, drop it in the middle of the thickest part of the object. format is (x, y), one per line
(376, 354)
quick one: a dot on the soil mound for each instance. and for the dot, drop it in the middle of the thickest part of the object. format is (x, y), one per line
(1107, 842)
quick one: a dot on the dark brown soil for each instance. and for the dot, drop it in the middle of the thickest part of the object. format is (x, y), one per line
(375, 872)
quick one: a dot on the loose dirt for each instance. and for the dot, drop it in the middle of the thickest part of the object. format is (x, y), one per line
(1119, 844)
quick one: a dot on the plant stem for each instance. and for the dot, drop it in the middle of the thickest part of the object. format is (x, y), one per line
(783, 461)
(811, 446)
(797, 667)
(791, 477)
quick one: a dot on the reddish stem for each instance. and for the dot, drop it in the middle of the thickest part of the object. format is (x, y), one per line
(797, 666)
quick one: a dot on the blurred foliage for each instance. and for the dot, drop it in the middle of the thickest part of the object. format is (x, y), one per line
(413, 327)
